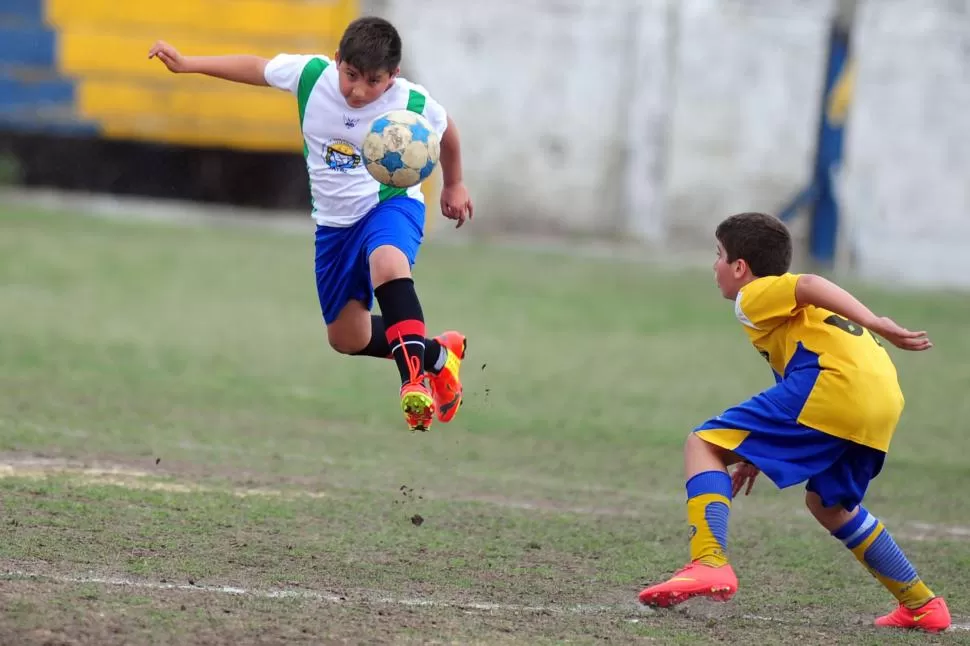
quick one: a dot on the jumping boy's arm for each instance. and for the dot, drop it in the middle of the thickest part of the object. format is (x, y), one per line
(240, 68)
(455, 201)
(820, 292)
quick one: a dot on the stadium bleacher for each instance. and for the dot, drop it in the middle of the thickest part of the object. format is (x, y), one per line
(81, 67)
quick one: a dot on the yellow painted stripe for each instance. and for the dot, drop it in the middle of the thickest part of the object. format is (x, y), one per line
(203, 133)
(320, 19)
(97, 99)
(88, 51)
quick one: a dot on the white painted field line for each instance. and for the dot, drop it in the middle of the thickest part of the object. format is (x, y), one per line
(581, 609)
(309, 595)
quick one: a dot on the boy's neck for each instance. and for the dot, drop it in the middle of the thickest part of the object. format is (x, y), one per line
(747, 279)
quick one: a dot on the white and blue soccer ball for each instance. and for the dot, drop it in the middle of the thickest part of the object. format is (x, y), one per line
(401, 149)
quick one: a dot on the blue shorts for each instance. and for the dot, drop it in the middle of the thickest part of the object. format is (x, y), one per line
(765, 431)
(342, 253)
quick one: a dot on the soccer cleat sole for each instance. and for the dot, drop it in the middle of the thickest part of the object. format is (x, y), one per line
(673, 598)
(417, 404)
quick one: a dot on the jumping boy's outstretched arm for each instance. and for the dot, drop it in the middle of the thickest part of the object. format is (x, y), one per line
(815, 290)
(241, 68)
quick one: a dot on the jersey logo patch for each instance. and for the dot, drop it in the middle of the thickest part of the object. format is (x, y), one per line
(341, 155)
(350, 122)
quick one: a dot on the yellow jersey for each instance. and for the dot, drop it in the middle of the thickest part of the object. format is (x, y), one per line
(839, 379)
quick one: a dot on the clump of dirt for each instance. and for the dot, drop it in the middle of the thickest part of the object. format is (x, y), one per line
(417, 520)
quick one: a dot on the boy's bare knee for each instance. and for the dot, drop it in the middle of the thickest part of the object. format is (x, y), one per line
(701, 456)
(831, 518)
(350, 333)
(388, 263)
(694, 444)
(343, 339)
(342, 344)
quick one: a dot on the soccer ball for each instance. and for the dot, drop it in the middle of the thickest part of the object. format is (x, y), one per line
(401, 149)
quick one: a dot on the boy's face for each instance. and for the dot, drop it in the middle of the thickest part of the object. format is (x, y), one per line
(730, 276)
(361, 88)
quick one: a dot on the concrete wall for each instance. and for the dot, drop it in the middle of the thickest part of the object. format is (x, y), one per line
(748, 76)
(652, 119)
(907, 176)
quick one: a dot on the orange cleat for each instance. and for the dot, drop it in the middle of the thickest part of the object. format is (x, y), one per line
(446, 385)
(933, 617)
(416, 400)
(418, 406)
(694, 580)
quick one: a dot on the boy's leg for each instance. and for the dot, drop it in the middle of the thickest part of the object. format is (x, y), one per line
(358, 332)
(344, 288)
(834, 497)
(403, 317)
(393, 233)
(708, 509)
(442, 361)
(344, 291)
(763, 433)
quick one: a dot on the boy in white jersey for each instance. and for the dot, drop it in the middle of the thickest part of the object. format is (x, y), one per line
(368, 234)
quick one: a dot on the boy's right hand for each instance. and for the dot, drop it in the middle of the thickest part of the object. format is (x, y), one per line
(900, 336)
(744, 474)
(170, 56)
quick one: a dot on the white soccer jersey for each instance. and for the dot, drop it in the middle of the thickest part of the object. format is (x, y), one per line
(341, 189)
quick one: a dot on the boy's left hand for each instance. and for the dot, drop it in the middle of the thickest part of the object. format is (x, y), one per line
(456, 203)
(900, 336)
(744, 473)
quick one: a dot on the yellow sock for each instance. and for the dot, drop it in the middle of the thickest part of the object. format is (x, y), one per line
(708, 510)
(875, 548)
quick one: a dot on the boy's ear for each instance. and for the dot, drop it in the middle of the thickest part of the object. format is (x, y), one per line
(395, 73)
(336, 57)
(740, 267)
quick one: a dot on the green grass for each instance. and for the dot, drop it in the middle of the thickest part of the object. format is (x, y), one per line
(197, 356)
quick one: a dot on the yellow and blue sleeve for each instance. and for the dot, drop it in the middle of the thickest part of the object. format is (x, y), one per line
(767, 302)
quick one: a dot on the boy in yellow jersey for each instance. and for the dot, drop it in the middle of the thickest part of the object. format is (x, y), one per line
(827, 421)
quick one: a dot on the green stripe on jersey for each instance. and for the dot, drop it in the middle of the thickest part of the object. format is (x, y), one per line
(387, 192)
(308, 79)
(416, 103)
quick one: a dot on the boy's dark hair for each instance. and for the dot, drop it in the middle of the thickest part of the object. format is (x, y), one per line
(371, 45)
(761, 240)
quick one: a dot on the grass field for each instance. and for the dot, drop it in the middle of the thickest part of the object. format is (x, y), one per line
(183, 460)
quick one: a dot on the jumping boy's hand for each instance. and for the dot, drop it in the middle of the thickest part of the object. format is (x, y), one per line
(900, 336)
(456, 203)
(170, 56)
(743, 473)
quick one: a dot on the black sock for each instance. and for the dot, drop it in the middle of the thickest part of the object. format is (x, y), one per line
(432, 352)
(404, 325)
(379, 347)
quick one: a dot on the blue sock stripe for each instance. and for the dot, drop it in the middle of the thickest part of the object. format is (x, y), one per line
(885, 558)
(717, 482)
(716, 514)
(863, 533)
(856, 530)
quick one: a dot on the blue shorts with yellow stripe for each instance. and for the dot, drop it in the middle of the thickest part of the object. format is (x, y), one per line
(765, 431)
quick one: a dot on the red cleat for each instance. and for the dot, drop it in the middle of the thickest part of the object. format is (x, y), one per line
(933, 617)
(694, 580)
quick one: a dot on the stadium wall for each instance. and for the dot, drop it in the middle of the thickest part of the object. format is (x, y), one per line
(642, 119)
(650, 117)
(906, 182)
